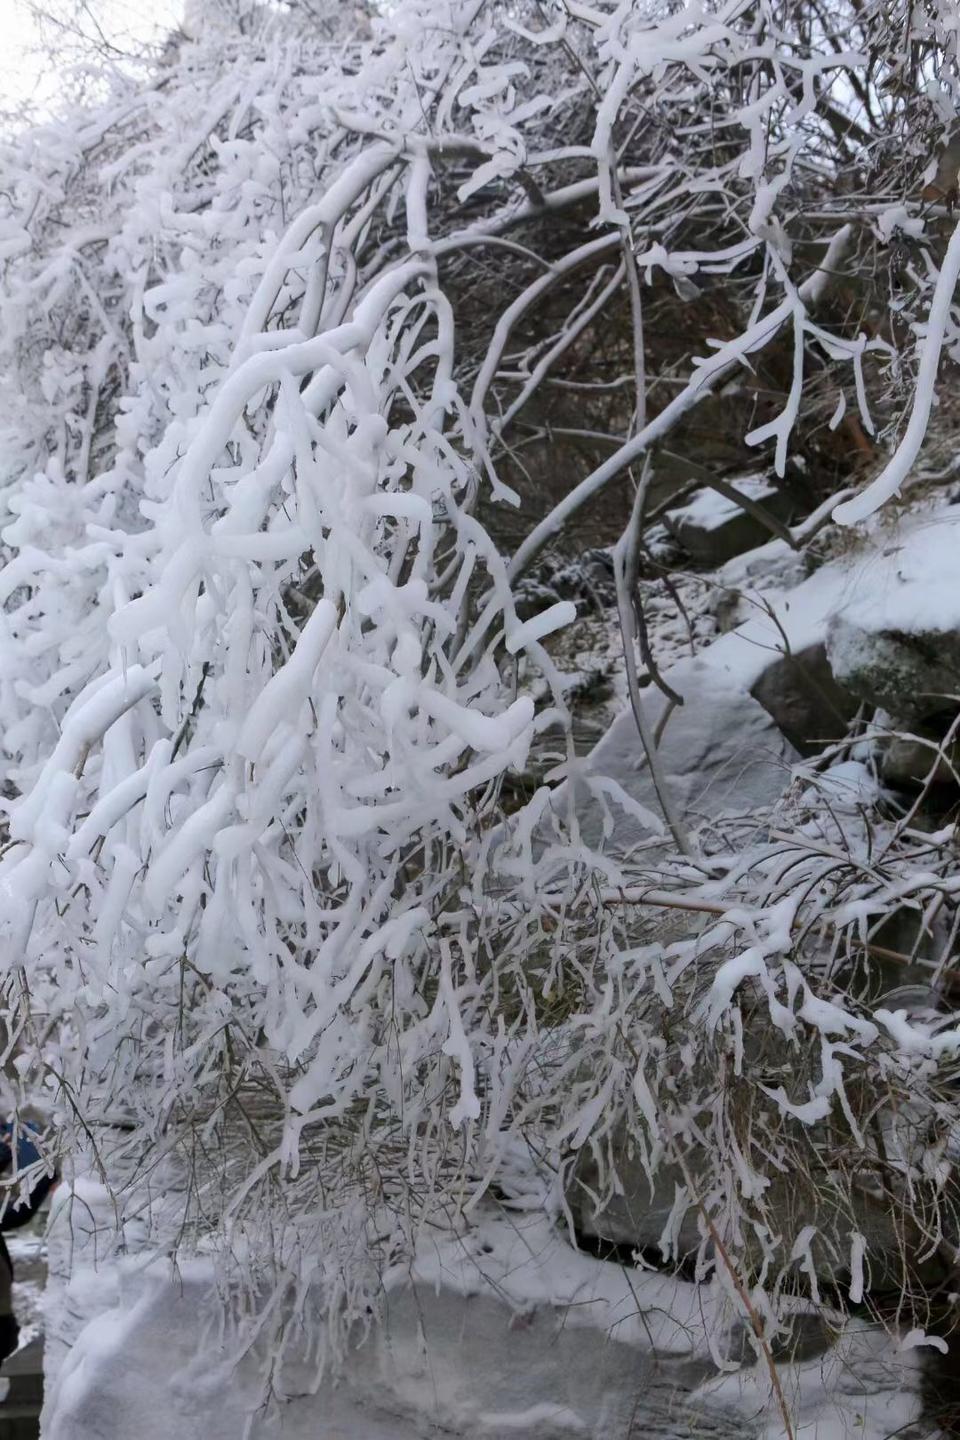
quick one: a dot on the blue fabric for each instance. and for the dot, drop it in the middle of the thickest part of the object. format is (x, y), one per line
(17, 1214)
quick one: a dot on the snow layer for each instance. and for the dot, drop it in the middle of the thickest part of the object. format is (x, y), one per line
(721, 753)
(910, 583)
(498, 1330)
(905, 579)
(709, 510)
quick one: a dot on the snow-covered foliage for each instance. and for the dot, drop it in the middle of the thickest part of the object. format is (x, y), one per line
(266, 922)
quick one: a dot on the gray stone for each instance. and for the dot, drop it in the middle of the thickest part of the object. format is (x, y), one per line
(800, 693)
(908, 760)
(635, 1218)
(636, 1215)
(804, 1336)
(911, 674)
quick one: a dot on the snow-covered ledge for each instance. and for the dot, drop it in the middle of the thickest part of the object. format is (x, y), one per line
(503, 1330)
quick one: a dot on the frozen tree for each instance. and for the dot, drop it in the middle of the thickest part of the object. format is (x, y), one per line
(272, 322)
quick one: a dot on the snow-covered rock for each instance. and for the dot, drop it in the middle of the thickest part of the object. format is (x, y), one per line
(712, 528)
(501, 1330)
(721, 753)
(880, 624)
(895, 642)
(729, 749)
(910, 673)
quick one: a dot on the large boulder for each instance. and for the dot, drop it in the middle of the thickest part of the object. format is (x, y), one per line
(894, 640)
(911, 674)
(636, 1216)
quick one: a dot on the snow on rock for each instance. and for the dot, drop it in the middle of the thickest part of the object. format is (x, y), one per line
(896, 640)
(81, 1283)
(721, 753)
(865, 1387)
(709, 510)
(795, 620)
(850, 786)
(713, 528)
(881, 623)
(900, 580)
(496, 1331)
(754, 579)
(505, 1330)
(776, 685)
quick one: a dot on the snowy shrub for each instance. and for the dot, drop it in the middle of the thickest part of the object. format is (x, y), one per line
(268, 929)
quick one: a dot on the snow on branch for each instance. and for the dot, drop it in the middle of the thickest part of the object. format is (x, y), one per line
(274, 327)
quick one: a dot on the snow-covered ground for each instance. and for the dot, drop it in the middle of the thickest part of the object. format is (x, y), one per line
(498, 1329)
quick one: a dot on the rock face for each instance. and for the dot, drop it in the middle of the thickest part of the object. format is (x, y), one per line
(712, 529)
(910, 674)
(894, 636)
(802, 696)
